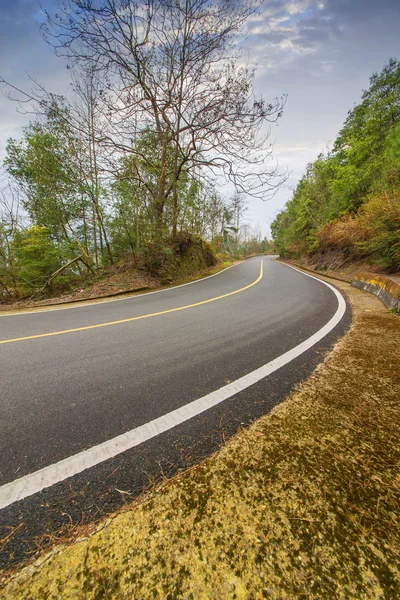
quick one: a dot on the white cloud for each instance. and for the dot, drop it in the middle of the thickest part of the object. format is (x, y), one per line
(295, 8)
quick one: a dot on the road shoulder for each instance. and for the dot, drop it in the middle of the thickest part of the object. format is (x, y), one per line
(304, 503)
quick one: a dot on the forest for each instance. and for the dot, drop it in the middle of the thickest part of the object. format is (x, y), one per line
(347, 205)
(158, 114)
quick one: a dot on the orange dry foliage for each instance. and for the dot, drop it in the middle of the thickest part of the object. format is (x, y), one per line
(344, 232)
(378, 215)
(385, 207)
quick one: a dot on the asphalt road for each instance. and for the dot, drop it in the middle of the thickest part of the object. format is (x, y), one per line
(62, 394)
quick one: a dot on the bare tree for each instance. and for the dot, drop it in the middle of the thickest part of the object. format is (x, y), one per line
(238, 207)
(170, 66)
(10, 221)
(87, 121)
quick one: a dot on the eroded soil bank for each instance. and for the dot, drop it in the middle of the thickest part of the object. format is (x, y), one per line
(303, 504)
(336, 265)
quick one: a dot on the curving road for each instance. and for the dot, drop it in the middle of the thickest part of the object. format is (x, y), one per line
(92, 377)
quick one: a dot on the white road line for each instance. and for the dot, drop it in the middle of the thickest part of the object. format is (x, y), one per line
(36, 482)
(96, 301)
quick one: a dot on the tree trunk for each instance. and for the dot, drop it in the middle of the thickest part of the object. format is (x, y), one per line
(160, 202)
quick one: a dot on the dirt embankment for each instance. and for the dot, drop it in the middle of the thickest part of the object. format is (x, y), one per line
(116, 281)
(336, 264)
(303, 504)
(186, 258)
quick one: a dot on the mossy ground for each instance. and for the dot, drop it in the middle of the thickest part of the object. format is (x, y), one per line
(303, 504)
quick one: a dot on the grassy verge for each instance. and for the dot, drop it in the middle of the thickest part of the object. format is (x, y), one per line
(303, 504)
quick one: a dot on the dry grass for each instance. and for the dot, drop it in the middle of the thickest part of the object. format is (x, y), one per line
(304, 504)
(371, 234)
(345, 232)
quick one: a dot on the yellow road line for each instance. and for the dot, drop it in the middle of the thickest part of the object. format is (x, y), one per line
(163, 312)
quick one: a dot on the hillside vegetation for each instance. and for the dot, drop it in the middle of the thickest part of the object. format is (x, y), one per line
(347, 205)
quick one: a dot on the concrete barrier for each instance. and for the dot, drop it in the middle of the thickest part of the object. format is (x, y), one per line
(384, 287)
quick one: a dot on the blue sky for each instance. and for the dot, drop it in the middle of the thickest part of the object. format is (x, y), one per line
(319, 52)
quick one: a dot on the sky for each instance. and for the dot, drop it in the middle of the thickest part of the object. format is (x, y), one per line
(321, 53)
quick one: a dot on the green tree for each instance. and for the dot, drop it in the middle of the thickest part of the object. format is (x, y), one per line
(37, 256)
(50, 166)
(46, 165)
(360, 144)
(353, 182)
